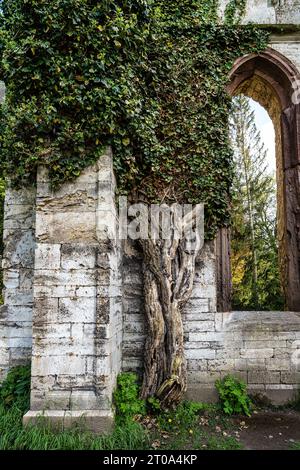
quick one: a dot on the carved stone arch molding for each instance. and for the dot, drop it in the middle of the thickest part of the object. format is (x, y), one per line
(271, 79)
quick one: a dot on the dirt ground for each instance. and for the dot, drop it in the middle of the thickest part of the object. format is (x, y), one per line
(269, 430)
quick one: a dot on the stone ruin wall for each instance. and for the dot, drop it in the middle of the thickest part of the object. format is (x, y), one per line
(85, 302)
(73, 300)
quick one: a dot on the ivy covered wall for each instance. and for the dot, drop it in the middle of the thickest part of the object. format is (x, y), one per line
(144, 76)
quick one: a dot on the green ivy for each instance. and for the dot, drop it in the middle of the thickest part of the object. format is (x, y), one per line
(147, 77)
(234, 11)
(233, 396)
(15, 389)
(126, 398)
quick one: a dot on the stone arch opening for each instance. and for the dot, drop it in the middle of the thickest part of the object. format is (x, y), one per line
(271, 79)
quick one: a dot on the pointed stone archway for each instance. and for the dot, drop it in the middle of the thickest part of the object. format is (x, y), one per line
(273, 81)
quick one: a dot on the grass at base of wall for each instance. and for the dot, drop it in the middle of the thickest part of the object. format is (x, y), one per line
(143, 435)
(295, 446)
(13, 436)
(139, 425)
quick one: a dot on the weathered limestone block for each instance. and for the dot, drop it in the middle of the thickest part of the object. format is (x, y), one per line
(97, 421)
(47, 256)
(263, 377)
(288, 46)
(17, 265)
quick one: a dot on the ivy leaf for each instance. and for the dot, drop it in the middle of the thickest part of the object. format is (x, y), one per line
(126, 141)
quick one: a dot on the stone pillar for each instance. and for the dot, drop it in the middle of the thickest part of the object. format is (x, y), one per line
(77, 290)
(17, 264)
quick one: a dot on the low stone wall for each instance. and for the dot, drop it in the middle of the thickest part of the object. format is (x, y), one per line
(262, 348)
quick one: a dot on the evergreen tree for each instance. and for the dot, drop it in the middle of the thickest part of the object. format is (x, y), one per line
(255, 266)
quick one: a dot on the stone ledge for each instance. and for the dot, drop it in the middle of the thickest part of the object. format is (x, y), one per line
(262, 321)
(97, 421)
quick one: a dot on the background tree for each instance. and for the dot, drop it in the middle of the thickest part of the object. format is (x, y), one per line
(255, 266)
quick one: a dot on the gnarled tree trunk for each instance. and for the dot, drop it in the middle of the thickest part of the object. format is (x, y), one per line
(169, 270)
